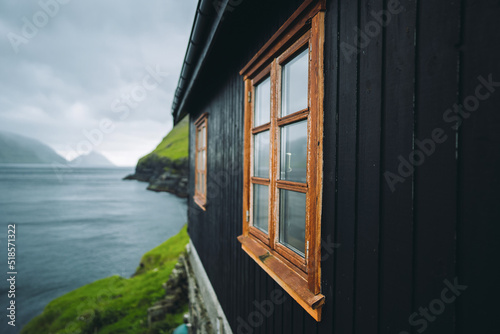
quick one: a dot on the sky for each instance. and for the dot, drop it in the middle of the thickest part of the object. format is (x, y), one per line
(92, 75)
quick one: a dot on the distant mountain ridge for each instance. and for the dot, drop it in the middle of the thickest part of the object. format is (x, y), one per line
(17, 149)
(92, 159)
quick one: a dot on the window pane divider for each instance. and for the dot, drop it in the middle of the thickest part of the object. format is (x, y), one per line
(261, 128)
(296, 116)
(293, 186)
(260, 180)
(275, 104)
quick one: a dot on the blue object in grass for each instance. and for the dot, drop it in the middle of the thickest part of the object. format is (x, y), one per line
(182, 329)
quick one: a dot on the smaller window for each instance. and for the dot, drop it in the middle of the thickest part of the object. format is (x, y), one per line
(200, 188)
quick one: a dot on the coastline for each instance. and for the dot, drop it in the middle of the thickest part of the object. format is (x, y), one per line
(153, 300)
(163, 175)
(166, 168)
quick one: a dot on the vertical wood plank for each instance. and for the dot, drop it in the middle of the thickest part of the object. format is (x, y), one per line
(479, 166)
(287, 314)
(297, 319)
(347, 154)
(396, 250)
(435, 180)
(330, 168)
(368, 189)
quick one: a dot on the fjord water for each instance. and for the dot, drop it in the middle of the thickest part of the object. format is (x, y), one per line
(75, 228)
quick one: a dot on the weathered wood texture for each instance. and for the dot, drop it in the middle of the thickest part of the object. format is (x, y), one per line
(385, 252)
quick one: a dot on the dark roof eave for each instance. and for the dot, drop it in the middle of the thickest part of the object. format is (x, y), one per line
(199, 46)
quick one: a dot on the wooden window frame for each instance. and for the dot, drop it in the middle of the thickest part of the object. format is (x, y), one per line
(200, 198)
(299, 276)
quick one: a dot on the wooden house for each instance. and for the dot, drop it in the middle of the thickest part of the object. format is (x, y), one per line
(344, 165)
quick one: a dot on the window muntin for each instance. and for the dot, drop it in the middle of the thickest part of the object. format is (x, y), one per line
(200, 193)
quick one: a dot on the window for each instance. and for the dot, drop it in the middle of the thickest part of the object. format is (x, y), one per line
(200, 191)
(283, 156)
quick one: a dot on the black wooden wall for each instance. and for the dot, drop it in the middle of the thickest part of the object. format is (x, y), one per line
(387, 253)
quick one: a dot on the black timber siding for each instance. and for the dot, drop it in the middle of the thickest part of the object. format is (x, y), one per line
(386, 253)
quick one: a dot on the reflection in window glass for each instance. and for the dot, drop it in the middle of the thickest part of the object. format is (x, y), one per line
(260, 207)
(262, 103)
(199, 182)
(295, 84)
(293, 220)
(294, 152)
(201, 160)
(261, 154)
(203, 137)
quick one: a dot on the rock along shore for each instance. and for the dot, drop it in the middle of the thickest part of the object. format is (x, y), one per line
(163, 175)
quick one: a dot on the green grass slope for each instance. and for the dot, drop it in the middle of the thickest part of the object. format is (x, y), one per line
(116, 304)
(175, 145)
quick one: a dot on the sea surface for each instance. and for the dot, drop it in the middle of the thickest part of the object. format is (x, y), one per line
(74, 228)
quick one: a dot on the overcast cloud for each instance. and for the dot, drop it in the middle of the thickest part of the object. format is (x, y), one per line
(65, 68)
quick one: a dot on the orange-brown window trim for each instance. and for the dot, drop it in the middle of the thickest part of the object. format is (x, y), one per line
(200, 192)
(299, 275)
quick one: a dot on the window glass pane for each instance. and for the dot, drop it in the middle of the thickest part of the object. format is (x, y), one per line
(203, 136)
(294, 152)
(260, 207)
(203, 159)
(294, 84)
(263, 103)
(201, 182)
(293, 220)
(261, 154)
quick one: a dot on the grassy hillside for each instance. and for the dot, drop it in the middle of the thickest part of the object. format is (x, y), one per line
(175, 145)
(116, 304)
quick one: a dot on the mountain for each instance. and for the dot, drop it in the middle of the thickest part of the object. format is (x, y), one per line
(93, 159)
(17, 149)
